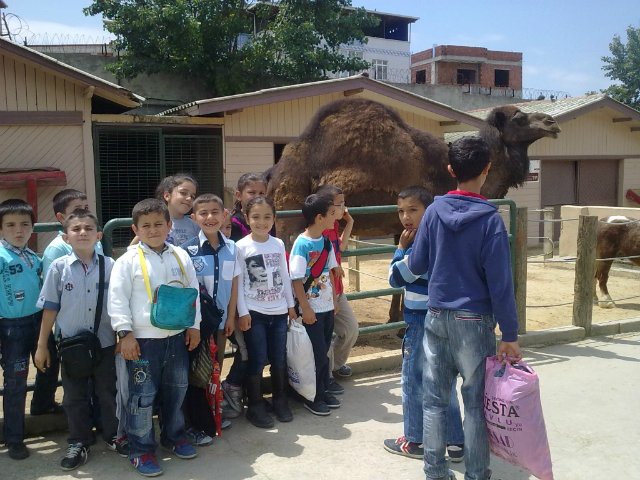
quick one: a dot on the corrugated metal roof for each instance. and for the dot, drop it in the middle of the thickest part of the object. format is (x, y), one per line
(356, 80)
(563, 109)
(554, 108)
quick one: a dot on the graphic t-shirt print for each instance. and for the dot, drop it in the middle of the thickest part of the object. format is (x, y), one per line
(320, 289)
(265, 282)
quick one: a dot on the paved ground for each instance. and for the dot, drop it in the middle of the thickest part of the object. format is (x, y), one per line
(590, 396)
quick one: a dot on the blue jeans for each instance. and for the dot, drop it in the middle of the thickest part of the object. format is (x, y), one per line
(160, 374)
(18, 342)
(412, 391)
(456, 342)
(266, 342)
(320, 333)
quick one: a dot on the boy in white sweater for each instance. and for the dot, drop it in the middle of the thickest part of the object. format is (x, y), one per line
(157, 358)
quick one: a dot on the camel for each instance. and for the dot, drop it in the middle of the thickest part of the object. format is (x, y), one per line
(616, 237)
(366, 149)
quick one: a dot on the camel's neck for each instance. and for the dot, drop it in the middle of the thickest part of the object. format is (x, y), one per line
(509, 166)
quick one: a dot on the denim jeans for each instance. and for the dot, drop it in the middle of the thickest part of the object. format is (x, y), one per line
(76, 400)
(266, 342)
(456, 342)
(412, 391)
(160, 374)
(320, 334)
(18, 342)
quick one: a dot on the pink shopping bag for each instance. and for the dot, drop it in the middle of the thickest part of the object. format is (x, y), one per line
(514, 417)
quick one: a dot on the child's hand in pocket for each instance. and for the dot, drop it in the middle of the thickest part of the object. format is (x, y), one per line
(244, 322)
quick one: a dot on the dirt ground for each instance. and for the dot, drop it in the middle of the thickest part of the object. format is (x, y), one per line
(548, 283)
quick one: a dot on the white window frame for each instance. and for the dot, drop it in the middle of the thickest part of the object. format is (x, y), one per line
(380, 69)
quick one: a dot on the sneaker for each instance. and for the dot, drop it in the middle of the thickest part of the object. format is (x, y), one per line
(182, 450)
(120, 445)
(198, 437)
(402, 446)
(147, 465)
(77, 454)
(344, 371)
(317, 407)
(225, 424)
(331, 401)
(233, 395)
(18, 451)
(334, 387)
(228, 412)
(456, 452)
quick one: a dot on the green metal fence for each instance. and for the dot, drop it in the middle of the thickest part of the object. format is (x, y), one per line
(126, 223)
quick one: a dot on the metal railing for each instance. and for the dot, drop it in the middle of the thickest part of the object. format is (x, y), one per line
(111, 225)
(126, 223)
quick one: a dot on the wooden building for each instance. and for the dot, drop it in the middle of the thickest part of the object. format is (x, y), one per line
(258, 125)
(45, 121)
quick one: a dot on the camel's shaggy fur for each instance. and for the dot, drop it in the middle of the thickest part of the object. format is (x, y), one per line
(367, 150)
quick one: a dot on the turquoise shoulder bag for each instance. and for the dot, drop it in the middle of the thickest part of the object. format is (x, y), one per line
(172, 308)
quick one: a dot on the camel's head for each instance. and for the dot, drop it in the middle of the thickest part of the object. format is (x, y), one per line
(519, 128)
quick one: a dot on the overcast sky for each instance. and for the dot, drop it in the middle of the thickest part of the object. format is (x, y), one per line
(561, 41)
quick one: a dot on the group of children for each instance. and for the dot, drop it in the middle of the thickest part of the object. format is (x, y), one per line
(452, 261)
(145, 363)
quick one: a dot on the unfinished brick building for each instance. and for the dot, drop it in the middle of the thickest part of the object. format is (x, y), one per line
(475, 66)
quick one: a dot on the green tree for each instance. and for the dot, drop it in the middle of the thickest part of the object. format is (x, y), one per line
(299, 40)
(624, 66)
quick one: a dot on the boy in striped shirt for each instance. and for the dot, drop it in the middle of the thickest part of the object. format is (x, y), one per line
(412, 204)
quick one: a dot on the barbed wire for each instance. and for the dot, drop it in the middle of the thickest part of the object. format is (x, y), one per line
(68, 40)
(393, 75)
(540, 94)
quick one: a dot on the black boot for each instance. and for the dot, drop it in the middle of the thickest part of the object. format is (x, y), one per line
(280, 401)
(257, 413)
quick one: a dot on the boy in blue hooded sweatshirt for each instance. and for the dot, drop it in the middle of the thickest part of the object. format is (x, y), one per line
(462, 242)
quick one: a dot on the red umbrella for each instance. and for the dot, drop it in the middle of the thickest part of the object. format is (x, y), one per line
(214, 392)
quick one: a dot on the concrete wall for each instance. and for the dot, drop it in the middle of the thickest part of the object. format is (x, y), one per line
(164, 90)
(569, 230)
(454, 97)
(395, 52)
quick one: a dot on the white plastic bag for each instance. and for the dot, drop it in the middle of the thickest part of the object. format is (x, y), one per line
(300, 361)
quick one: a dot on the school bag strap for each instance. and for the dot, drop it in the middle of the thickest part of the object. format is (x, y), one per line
(96, 322)
(243, 229)
(316, 270)
(145, 273)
